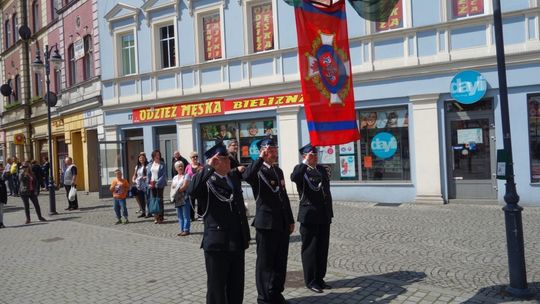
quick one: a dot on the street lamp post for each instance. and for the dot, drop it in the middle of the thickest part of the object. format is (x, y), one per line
(50, 100)
(512, 211)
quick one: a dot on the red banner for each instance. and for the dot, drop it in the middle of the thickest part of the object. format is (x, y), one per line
(463, 8)
(395, 20)
(263, 27)
(325, 69)
(212, 37)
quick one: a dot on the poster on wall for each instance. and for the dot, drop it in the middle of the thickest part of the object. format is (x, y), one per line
(384, 119)
(467, 136)
(263, 28)
(347, 148)
(347, 166)
(251, 129)
(327, 154)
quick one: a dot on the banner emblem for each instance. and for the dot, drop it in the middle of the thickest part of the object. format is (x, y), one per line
(328, 68)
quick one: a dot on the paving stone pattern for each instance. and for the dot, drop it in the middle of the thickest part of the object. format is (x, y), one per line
(379, 254)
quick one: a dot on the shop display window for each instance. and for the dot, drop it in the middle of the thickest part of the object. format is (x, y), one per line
(533, 107)
(381, 154)
(247, 133)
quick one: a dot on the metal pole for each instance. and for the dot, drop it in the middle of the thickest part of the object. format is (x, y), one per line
(52, 194)
(512, 212)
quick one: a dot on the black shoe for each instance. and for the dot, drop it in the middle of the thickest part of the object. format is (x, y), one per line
(68, 209)
(325, 286)
(141, 215)
(315, 288)
(2, 225)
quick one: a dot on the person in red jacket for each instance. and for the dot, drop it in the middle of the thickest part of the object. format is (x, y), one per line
(119, 189)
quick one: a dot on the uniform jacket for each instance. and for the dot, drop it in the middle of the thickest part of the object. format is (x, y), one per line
(313, 187)
(273, 208)
(225, 223)
(161, 181)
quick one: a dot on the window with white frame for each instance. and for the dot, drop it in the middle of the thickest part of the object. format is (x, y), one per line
(127, 51)
(15, 25)
(35, 16)
(88, 60)
(72, 65)
(7, 33)
(262, 27)
(394, 21)
(211, 31)
(167, 46)
(466, 8)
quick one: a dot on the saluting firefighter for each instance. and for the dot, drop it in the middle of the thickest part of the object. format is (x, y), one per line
(273, 221)
(226, 231)
(315, 215)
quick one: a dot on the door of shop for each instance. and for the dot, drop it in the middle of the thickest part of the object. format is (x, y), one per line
(111, 157)
(167, 146)
(470, 142)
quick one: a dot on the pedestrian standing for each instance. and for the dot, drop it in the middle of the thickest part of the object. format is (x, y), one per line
(3, 195)
(7, 175)
(232, 148)
(36, 169)
(273, 222)
(70, 180)
(179, 186)
(139, 179)
(157, 179)
(14, 174)
(315, 215)
(28, 192)
(177, 157)
(193, 168)
(119, 188)
(226, 231)
(45, 167)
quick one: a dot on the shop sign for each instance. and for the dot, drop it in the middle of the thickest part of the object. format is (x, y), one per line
(384, 145)
(213, 107)
(468, 87)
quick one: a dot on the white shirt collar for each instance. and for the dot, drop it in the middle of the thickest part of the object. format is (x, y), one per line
(267, 165)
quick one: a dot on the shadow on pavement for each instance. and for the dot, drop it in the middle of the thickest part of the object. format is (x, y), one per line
(95, 207)
(9, 209)
(498, 294)
(58, 219)
(367, 289)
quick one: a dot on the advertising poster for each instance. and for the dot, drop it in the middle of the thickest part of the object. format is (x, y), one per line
(327, 154)
(347, 148)
(252, 129)
(347, 166)
(368, 162)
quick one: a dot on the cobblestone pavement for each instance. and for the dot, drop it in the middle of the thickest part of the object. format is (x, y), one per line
(379, 254)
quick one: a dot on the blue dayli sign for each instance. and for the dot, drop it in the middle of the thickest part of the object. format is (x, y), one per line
(384, 145)
(468, 87)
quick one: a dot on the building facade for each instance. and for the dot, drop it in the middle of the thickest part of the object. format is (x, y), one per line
(69, 28)
(184, 74)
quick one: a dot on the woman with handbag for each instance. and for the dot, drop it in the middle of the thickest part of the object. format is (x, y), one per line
(157, 180)
(28, 192)
(179, 185)
(141, 184)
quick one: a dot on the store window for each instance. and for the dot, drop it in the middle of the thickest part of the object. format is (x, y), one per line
(247, 132)
(381, 154)
(212, 36)
(467, 8)
(533, 107)
(262, 27)
(395, 20)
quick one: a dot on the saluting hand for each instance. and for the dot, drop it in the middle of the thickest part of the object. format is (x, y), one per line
(264, 153)
(213, 161)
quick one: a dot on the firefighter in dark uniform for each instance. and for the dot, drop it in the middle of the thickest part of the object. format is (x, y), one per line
(273, 222)
(315, 215)
(226, 231)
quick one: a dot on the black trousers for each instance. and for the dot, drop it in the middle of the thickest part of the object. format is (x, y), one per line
(225, 276)
(26, 201)
(315, 241)
(271, 266)
(75, 203)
